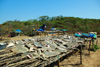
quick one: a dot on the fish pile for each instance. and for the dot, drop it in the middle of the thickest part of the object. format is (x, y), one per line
(16, 53)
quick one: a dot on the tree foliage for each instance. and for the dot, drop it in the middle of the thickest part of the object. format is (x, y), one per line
(60, 22)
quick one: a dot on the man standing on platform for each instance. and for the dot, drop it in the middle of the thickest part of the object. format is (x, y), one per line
(44, 27)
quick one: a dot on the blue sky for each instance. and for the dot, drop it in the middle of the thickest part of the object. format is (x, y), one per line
(24, 10)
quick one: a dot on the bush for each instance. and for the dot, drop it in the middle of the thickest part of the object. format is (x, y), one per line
(96, 47)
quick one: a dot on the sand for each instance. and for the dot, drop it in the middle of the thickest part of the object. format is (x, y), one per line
(92, 60)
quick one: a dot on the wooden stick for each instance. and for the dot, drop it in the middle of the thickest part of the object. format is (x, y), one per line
(92, 44)
(45, 34)
(89, 46)
(58, 63)
(63, 32)
(52, 33)
(80, 54)
(48, 62)
(97, 41)
(22, 62)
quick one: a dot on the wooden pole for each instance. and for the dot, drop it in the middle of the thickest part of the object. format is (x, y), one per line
(35, 32)
(58, 33)
(52, 33)
(89, 46)
(48, 63)
(97, 41)
(44, 34)
(63, 32)
(92, 44)
(47, 33)
(58, 63)
(40, 34)
(1, 37)
(80, 54)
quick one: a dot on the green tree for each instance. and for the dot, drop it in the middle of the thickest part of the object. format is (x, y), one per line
(43, 18)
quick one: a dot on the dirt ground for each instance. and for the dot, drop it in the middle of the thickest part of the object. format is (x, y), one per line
(92, 60)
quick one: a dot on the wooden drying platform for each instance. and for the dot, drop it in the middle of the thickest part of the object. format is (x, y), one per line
(47, 32)
(12, 59)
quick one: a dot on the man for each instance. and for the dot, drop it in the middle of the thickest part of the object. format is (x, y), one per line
(44, 27)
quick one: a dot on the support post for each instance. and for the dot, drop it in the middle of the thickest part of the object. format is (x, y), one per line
(35, 33)
(52, 33)
(92, 43)
(44, 34)
(49, 63)
(47, 33)
(58, 33)
(40, 34)
(58, 63)
(89, 46)
(80, 54)
(97, 41)
(1, 37)
(63, 32)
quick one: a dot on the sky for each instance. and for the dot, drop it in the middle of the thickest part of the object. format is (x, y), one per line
(24, 10)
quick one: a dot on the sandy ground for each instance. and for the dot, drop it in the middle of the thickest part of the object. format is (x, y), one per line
(92, 60)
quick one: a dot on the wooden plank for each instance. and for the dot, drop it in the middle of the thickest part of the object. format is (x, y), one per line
(22, 62)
